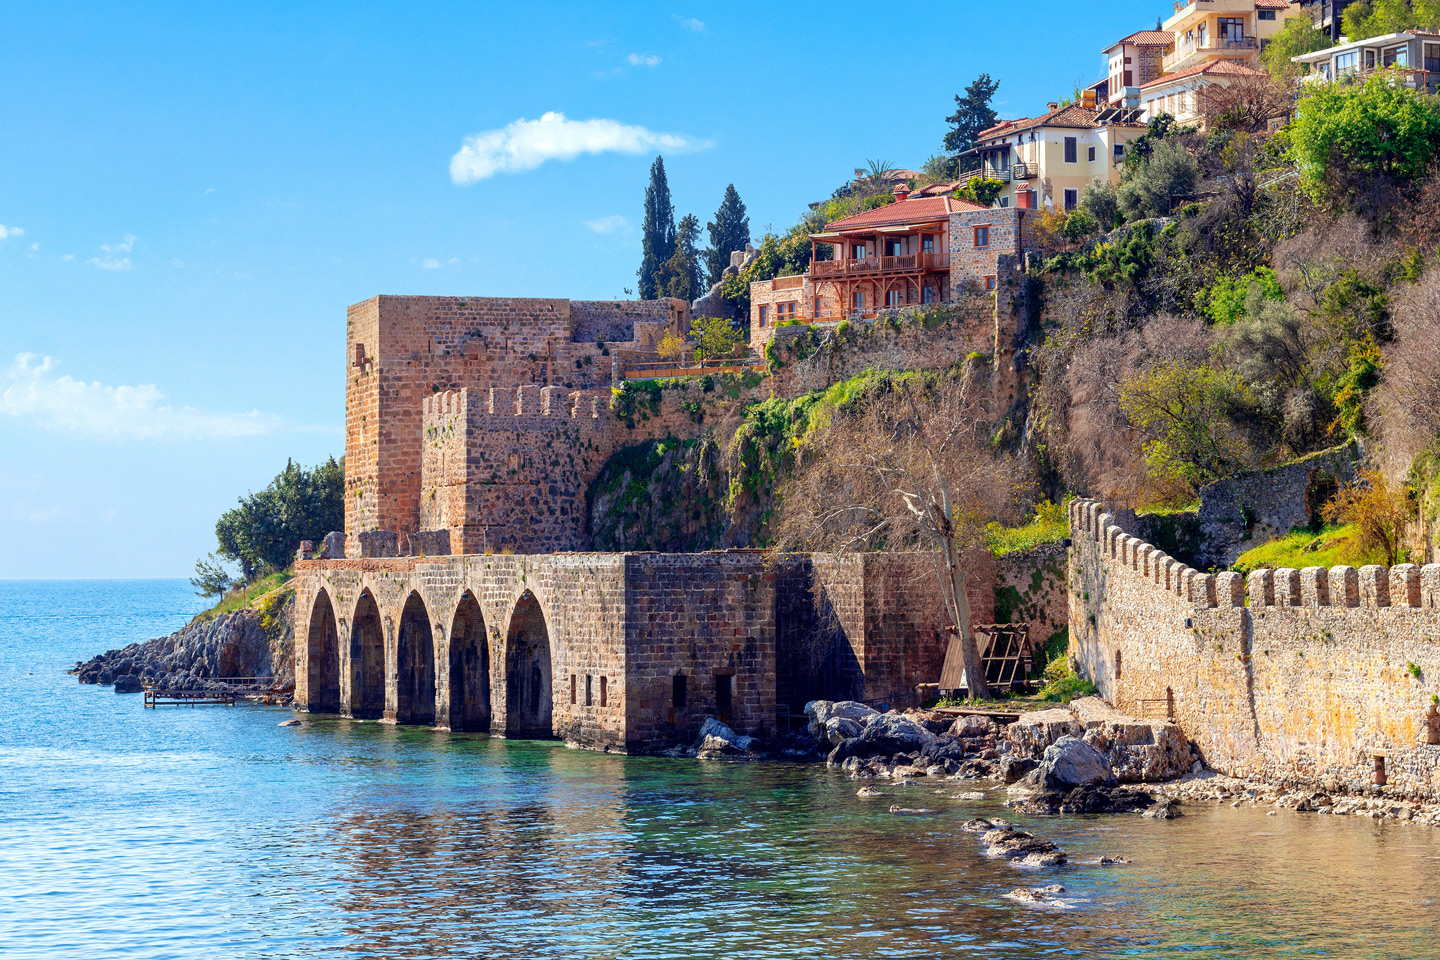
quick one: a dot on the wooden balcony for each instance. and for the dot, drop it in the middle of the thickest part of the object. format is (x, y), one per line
(880, 266)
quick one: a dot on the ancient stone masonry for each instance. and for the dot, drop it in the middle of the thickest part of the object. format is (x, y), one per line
(1292, 675)
(627, 652)
(401, 350)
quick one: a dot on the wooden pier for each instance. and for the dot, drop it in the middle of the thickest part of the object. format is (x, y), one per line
(219, 691)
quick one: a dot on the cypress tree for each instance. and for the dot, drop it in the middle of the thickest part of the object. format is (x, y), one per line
(729, 232)
(682, 272)
(658, 240)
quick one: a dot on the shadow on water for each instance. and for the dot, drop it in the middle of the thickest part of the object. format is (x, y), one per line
(197, 833)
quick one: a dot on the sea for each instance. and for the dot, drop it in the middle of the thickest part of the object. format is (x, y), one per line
(214, 832)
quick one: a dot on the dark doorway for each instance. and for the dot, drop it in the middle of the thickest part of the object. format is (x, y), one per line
(469, 668)
(322, 661)
(367, 661)
(415, 662)
(528, 672)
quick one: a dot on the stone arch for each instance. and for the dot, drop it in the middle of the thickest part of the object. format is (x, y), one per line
(529, 672)
(322, 657)
(468, 703)
(414, 664)
(367, 661)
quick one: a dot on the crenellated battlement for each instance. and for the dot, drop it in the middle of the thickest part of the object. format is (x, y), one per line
(524, 401)
(1285, 675)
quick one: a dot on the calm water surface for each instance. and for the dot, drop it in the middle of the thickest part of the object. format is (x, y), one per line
(215, 833)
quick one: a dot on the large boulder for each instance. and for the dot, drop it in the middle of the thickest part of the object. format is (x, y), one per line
(717, 741)
(944, 748)
(1034, 733)
(974, 727)
(1139, 751)
(129, 683)
(839, 729)
(820, 712)
(1071, 762)
(891, 733)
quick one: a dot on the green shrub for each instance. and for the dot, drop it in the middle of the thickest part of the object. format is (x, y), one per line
(1344, 135)
(1062, 684)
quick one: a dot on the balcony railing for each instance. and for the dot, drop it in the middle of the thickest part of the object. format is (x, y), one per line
(904, 263)
(1184, 50)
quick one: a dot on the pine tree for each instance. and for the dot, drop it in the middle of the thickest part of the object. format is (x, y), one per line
(682, 270)
(972, 114)
(729, 232)
(658, 240)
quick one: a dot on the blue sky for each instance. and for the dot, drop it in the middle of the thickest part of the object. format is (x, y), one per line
(191, 194)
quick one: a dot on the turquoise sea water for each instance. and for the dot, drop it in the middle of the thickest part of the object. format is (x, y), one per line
(214, 833)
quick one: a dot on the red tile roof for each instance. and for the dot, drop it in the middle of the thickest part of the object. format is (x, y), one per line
(1272, 4)
(1219, 68)
(1073, 117)
(1147, 38)
(906, 211)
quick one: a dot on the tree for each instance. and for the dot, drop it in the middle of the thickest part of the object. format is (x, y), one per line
(972, 114)
(715, 337)
(1346, 136)
(265, 530)
(981, 190)
(657, 241)
(1246, 103)
(1102, 203)
(729, 232)
(680, 277)
(211, 578)
(1150, 187)
(1379, 508)
(909, 466)
(1299, 35)
(672, 346)
(1189, 416)
(1374, 18)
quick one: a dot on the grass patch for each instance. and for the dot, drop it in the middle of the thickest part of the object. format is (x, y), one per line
(1063, 685)
(247, 594)
(1332, 547)
(1051, 524)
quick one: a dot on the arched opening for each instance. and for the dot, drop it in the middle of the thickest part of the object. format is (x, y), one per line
(1321, 489)
(415, 664)
(322, 658)
(469, 668)
(367, 661)
(528, 672)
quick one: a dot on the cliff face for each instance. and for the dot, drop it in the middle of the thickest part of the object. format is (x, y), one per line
(253, 642)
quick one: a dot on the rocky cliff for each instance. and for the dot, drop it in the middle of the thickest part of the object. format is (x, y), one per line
(255, 641)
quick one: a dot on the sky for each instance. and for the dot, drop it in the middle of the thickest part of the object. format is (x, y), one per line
(191, 194)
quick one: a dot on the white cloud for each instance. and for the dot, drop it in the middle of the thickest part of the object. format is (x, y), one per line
(431, 263)
(10, 231)
(607, 224)
(35, 245)
(643, 60)
(111, 261)
(68, 256)
(34, 394)
(526, 144)
(690, 23)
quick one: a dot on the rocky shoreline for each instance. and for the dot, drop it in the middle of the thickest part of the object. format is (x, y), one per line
(252, 643)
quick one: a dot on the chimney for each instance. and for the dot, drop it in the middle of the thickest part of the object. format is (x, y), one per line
(1053, 105)
(902, 191)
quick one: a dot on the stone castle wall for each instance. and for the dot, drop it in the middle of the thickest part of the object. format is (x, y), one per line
(508, 468)
(1291, 675)
(401, 350)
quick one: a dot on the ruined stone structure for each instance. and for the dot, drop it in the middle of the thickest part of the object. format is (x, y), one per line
(402, 350)
(1292, 675)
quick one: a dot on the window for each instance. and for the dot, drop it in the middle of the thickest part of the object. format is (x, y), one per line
(572, 688)
(892, 298)
(1072, 198)
(989, 284)
(1396, 57)
(785, 311)
(677, 691)
(859, 251)
(1368, 60)
(1432, 58)
(1004, 202)
(1129, 78)
(1119, 151)
(604, 684)
(927, 245)
(928, 295)
(1072, 150)
(764, 314)
(589, 697)
(1117, 664)
(982, 236)
(1092, 155)
(1266, 14)
(724, 699)
(1346, 63)
(859, 299)
(817, 308)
